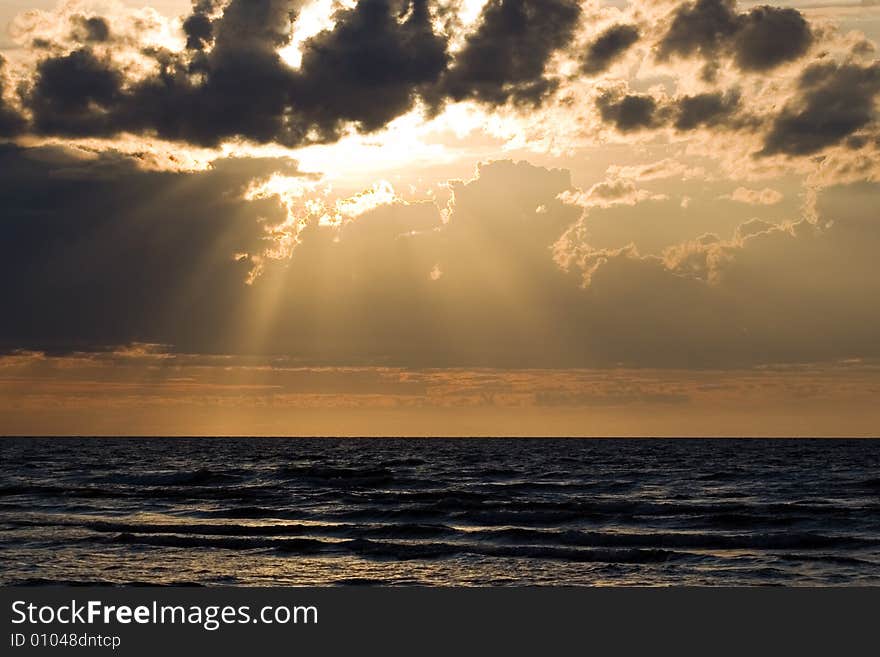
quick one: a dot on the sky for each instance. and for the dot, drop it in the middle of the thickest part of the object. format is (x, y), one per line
(439, 217)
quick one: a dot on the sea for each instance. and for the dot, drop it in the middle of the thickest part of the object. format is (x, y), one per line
(439, 512)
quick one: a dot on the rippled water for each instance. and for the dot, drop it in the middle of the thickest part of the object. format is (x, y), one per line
(465, 512)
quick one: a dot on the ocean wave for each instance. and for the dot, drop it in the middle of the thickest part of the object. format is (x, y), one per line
(526, 512)
(248, 512)
(298, 545)
(44, 581)
(405, 551)
(285, 529)
(839, 559)
(348, 475)
(410, 461)
(413, 551)
(776, 541)
(55, 491)
(420, 550)
(519, 535)
(199, 477)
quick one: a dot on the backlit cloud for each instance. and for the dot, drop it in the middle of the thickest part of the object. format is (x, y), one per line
(502, 184)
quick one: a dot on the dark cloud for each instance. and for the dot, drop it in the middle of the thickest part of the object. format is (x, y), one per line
(707, 109)
(76, 95)
(254, 23)
(835, 101)
(198, 26)
(367, 70)
(237, 90)
(505, 58)
(608, 47)
(240, 88)
(702, 28)
(370, 67)
(90, 29)
(106, 252)
(758, 40)
(629, 112)
(377, 61)
(11, 122)
(770, 36)
(716, 109)
(199, 31)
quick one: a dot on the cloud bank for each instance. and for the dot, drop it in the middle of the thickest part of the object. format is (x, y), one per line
(510, 268)
(221, 74)
(507, 278)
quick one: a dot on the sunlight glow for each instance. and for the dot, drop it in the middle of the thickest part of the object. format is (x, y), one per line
(300, 212)
(313, 19)
(381, 193)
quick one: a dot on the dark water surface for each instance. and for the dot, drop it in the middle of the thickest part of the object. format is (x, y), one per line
(464, 512)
